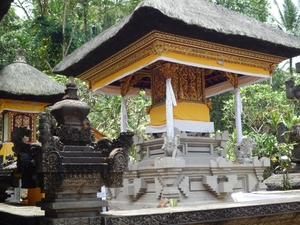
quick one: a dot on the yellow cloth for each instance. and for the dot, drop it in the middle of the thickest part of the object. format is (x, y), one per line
(35, 195)
(6, 150)
(22, 106)
(183, 111)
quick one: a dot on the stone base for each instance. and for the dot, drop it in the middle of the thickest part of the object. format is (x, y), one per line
(189, 183)
(74, 201)
(283, 211)
(68, 209)
(274, 182)
(266, 212)
(73, 221)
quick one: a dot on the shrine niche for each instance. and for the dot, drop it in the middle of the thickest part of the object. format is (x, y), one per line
(188, 85)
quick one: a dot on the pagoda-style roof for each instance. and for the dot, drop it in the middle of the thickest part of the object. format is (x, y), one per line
(196, 19)
(191, 32)
(20, 81)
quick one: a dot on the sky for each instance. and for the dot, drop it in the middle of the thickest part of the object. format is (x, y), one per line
(274, 11)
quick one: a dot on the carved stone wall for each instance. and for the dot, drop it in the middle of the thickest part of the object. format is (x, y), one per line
(257, 213)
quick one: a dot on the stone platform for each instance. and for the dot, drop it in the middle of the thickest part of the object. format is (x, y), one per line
(284, 210)
(199, 174)
(20, 214)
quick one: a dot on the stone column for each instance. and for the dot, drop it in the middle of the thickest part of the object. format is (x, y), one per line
(123, 115)
(238, 115)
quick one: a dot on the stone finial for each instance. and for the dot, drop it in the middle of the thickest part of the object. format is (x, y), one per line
(71, 90)
(20, 56)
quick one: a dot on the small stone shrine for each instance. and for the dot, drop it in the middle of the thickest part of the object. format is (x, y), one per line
(68, 166)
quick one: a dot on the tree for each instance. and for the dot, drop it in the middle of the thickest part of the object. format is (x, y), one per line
(257, 9)
(289, 20)
(10, 37)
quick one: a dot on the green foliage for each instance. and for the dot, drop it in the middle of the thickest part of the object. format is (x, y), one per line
(289, 16)
(218, 103)
(257, 9)
(289, 20)
(260, 103)
(10, 38)
(267, 146)
(284, 165)
(230, 145)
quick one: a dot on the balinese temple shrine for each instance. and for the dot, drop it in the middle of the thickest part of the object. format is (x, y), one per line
(24, 94)
(180, 53)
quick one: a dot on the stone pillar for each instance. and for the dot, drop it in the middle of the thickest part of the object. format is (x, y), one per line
(238, 114)
(123, 115)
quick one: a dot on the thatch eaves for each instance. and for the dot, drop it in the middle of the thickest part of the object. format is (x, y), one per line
(21, 81)
(197, 19)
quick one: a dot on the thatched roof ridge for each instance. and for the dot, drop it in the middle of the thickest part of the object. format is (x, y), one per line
(21, 81)
(197, 19)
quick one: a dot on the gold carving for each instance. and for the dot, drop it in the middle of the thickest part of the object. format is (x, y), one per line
(158, 42)
(188, 83)
(158, 85)
(129, 81)
(169, 70)
(18, 119)
(232, 78)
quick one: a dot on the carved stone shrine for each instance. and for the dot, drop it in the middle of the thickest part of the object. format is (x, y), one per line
(68, 166)
(198, 174)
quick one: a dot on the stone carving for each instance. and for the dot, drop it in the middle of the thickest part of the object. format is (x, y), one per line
(170, 146)
(76, 221)
(252, 214)
(220, 183)
(184, 186)
(135, 188)
(292, 91)
(244, 151)
(67, 164)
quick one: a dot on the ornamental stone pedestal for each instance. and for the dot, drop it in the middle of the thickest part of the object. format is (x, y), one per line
(68, 166)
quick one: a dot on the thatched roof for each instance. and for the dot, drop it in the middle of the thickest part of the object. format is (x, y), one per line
(21, 81)
(197, 19)
(4, 7)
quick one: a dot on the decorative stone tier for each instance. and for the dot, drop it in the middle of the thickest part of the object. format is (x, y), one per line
(201, 174)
